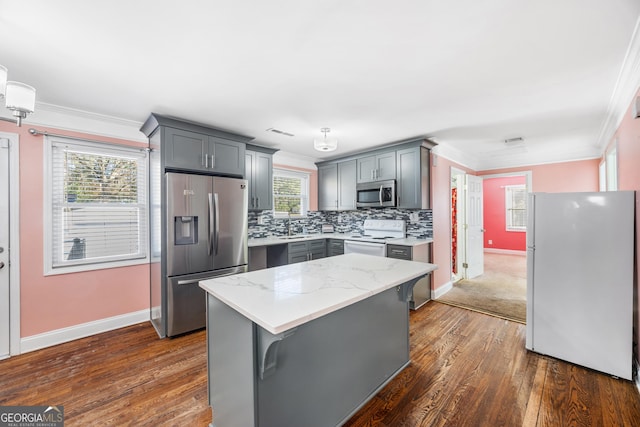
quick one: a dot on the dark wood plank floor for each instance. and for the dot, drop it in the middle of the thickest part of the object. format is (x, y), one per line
(467, 369)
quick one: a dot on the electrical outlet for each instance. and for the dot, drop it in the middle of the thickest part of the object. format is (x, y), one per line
(491, 242)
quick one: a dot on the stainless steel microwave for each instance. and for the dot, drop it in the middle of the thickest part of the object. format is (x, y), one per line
(377, 194)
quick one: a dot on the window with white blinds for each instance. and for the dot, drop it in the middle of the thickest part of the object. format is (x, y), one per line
(97, 196)
(516, 207)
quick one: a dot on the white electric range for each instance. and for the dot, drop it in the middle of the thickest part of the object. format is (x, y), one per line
(373, 239)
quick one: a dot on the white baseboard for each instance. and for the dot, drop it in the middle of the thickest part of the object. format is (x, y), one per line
(637, 371)
(438, 292)
(59, 336)
(505, 251)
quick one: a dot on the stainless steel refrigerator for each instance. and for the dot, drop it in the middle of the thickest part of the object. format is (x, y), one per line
(580, 257)
(205, 220)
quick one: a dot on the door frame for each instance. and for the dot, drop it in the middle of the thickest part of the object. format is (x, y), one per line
(460, 208)
(14, 241)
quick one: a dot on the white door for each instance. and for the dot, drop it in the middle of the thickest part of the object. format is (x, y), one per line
(4, 248)
(474, 231)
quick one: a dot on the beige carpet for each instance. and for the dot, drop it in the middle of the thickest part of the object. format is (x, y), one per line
(501, 291)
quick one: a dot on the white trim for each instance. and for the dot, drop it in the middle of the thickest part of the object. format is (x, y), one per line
(95, 147)
(59, 336)
(625, 90)
(294, 160)
(505, 251)
(453, 154)
(14, 241)
(64, 118)
(438, 292)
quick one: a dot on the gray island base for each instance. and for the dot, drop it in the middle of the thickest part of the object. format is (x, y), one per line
(315, 369)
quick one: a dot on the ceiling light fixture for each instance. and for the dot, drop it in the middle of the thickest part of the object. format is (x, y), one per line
(325, 144)
(19, 97)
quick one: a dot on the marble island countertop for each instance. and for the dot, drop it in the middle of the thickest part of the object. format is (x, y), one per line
(281, 240)
(281, 298)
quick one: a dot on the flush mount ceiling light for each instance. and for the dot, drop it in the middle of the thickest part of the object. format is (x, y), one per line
(325, 144)
(19, 97)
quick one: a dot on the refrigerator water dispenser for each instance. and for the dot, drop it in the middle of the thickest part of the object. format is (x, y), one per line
(186, 230)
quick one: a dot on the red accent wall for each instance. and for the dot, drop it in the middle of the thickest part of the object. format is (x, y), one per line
(495, 218)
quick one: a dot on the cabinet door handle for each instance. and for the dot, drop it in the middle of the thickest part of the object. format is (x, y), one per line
(257, 202)
(206, 161)
(213, 161)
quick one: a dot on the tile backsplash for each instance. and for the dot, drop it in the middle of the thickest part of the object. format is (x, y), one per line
(263, 224)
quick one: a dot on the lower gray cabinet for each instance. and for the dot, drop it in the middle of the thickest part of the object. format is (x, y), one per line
(421, 293)
(306, 251)
(335, 247)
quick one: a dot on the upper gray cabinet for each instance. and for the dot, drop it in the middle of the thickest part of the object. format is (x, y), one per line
(347, 185)
(259, 173)
(328, 187)
(337, 186)
(379, 167)
(191, 146)
(413, 189)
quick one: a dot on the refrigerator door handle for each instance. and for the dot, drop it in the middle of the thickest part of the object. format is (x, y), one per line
(210, 233)
(216, 223)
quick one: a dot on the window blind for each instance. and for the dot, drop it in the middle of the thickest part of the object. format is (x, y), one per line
(290, 192)
(98, 203)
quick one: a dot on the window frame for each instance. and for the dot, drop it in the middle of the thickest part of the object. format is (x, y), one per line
(305, 190)
(508, 196)
(97, 147)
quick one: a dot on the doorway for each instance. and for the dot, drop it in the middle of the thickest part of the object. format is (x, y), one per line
(498, 285)
(9, 246)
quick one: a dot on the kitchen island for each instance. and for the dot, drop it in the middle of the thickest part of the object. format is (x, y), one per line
(307, 343)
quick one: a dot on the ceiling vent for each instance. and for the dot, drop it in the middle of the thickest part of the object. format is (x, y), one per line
(278, 131)
(514, 141)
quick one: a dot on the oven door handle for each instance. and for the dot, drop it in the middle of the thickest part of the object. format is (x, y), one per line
(380, 194)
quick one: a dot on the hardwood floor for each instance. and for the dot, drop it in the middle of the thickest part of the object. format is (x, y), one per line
(467, 369)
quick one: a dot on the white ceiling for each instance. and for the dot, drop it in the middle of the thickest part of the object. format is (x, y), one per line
(467, 73)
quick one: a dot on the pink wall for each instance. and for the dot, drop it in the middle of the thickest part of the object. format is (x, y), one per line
(628, 137)
(581, 175)
(54, 302)
(494, 215)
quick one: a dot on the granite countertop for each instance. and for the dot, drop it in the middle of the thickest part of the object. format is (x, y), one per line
(284, 297)
(276, 240)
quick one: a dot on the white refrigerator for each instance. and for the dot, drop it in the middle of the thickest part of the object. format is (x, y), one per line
(580, 257)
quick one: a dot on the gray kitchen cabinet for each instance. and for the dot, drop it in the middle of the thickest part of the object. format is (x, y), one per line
(378, 167)
(184, 149)
(413, 178)
(347, 185)
(259, 173)
(190, 146)
(337, 186)
(195, 151)
(335, 247)
(328, 187)
(421, 293)
(306, 251)
(226, 157)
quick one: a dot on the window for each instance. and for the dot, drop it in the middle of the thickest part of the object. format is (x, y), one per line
(516, 207)
(95, 205)
(290, 193)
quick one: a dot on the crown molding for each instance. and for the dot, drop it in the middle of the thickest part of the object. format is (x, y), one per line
(71, 119)
(455, 155)
(624, 91)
